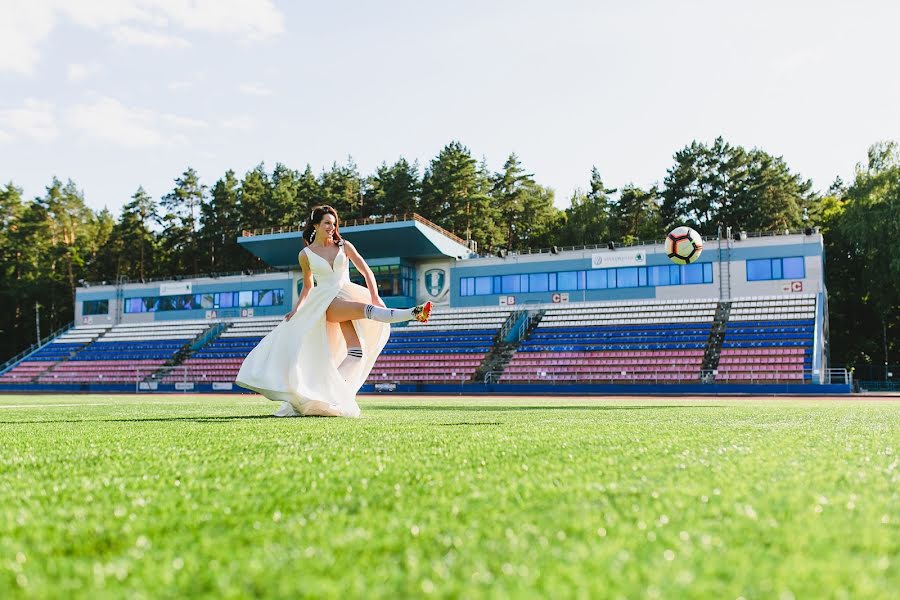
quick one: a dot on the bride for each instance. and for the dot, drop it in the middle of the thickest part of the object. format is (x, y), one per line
(316, 360)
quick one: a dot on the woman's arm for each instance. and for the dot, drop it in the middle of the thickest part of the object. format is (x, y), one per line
(365, 271)
(307, 285)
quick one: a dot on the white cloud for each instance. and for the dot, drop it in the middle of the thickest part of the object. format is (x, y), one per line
(185, 122)
(35, 120)
(241, 123)
(25, 25)
(249, 19)
(179, 85)
(97, 14)
(79, 72)
(798, 60)
(151, 39)
(255, 89)
(109, 120)
(5, 137)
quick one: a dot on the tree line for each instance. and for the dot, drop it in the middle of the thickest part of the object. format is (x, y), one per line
(50, 243)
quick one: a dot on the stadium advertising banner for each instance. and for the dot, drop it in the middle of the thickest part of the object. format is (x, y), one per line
(619, 258)
(175, 289)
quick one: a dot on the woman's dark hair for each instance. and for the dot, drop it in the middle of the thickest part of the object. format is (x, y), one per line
(309, 232)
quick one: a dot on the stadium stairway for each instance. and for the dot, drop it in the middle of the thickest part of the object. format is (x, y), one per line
(518, 326)
(218, 358)
(167, 372)
(716, 337)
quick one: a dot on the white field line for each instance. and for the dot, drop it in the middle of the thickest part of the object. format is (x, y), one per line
(55, 405)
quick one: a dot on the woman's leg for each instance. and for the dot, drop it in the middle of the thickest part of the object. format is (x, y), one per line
(343, 310)
(349, 332)
(354, 351)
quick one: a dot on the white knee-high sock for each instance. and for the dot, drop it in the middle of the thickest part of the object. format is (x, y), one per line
(349, 364)
(389, 315)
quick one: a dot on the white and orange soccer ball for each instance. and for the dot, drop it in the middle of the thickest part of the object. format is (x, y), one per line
(683, 245)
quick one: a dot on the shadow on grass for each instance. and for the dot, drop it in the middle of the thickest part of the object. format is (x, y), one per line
(498, 408)
(396, 407)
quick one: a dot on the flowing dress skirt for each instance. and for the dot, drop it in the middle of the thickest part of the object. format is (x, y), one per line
(296, 363)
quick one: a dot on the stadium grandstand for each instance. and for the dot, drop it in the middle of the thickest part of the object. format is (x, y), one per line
(750, 316)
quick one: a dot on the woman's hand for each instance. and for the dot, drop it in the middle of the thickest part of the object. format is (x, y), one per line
(288, 316)
(377, 301)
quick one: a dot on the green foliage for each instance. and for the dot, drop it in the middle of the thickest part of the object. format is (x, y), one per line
(393, 190)
(220, 220)
(587, 218)
(863, 263)
(730, 186)
(454, 196)
(254, 198)
(180, 220)
(135, 245)
(190, 497)
(635, 215)
(46, 246)
(339, 187)
(524, 209)
(308, 194)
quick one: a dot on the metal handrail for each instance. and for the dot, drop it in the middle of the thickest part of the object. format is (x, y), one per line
(511, 320)
(34, 347)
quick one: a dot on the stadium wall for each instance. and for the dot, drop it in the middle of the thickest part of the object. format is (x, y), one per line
(809, 248)
(117, 298)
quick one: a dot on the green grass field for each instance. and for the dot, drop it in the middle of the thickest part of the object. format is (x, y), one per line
(189, 496)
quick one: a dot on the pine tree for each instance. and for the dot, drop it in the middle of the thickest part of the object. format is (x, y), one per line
(453, 197)
(635, 215)
(180, 224)
(255, 199)
(587, 218)
(340, 189)
(728, 186)
(393, 190)
(221, 223)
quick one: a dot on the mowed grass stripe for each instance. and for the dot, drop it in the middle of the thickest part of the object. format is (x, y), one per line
(449, 497)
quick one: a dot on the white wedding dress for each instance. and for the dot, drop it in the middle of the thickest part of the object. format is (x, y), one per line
(296, 363)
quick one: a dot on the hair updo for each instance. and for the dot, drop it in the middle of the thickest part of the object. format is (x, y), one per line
(318, 212)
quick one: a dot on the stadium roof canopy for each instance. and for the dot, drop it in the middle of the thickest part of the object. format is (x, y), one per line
(406, 236)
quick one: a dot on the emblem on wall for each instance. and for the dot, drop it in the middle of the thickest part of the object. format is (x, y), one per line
(434, 281)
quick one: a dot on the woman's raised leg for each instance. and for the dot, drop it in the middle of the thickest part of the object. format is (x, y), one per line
(343, 310)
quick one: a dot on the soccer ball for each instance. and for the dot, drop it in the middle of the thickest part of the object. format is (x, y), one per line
(683, 245)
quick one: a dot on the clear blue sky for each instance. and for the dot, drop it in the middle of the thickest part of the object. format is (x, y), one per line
(120, 93)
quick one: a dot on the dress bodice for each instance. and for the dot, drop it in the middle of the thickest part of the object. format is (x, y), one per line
(327, 274)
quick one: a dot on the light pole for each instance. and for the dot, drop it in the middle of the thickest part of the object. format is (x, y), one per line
(37, 320)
